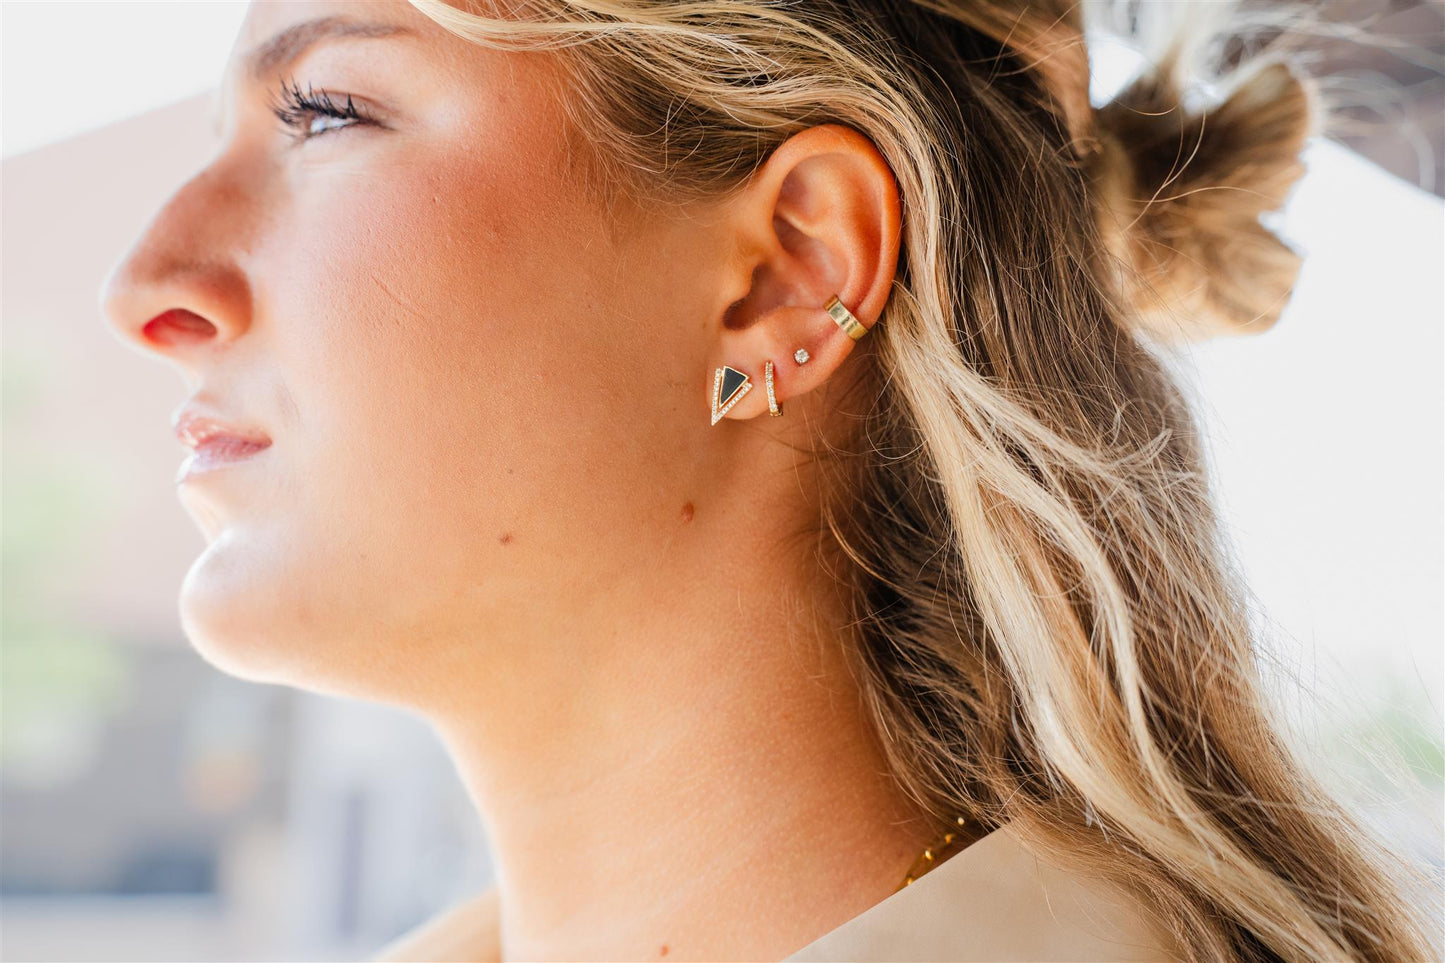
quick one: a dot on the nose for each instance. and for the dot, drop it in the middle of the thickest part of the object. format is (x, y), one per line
(181, 292)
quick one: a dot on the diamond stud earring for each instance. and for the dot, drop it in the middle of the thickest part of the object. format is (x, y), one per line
(801, 356)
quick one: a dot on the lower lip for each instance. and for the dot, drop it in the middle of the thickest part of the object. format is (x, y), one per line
(217, 454)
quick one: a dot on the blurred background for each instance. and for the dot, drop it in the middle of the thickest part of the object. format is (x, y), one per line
(152, 808)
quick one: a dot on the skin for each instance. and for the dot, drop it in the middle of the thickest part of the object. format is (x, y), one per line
(494, 496)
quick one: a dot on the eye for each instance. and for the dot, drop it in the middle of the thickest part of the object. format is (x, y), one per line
(310, 114)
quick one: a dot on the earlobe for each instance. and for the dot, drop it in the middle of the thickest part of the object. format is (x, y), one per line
(729, 384)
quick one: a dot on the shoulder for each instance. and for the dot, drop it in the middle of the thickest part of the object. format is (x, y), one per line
(997, 900)
(466, 932)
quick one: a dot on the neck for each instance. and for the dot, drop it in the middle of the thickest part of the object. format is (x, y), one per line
(699, 780)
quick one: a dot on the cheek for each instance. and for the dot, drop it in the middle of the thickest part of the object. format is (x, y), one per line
(470, 399)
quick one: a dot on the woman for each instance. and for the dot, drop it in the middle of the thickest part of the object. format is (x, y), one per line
(731, 424)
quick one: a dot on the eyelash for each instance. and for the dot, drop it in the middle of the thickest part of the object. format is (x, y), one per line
(296, 109)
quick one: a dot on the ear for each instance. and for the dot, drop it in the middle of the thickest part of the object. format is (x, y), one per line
(819, 217)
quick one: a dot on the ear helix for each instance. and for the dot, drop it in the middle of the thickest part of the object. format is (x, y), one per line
(729, 384)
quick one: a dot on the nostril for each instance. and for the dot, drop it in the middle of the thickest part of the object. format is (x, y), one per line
(177, 326)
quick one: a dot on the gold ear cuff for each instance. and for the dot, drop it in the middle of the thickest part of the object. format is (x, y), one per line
(845, 318)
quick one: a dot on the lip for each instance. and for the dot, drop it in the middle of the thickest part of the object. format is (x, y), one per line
(215, 443)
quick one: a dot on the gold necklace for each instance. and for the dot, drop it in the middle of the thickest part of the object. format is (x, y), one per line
(933, 854)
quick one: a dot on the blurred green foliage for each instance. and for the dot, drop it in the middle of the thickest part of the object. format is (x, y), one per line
(59, 677)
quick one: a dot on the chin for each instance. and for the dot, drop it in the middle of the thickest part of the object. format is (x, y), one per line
(248, 613)
(229, 614)
(252, 613)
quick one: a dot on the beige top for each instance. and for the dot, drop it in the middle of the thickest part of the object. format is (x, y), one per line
(992, 901)
(996, 901)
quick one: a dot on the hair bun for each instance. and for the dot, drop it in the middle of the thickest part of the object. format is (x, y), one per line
(1179, 192)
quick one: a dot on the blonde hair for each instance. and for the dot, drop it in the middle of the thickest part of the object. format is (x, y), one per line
(1047, 626)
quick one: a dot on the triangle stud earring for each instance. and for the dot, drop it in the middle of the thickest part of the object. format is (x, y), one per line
(728, 387)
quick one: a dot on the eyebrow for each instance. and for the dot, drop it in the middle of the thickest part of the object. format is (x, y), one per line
(286, 45)
(292, 42)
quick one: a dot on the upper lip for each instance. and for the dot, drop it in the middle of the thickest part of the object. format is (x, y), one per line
(195, 425)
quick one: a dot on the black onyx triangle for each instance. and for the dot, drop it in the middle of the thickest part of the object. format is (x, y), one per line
(732, 380)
